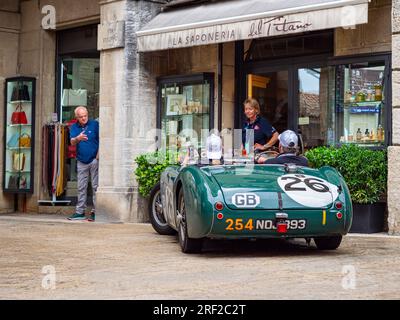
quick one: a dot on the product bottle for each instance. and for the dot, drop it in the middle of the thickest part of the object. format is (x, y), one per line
(380, 135)
(366, 134)
(369, 95)
(378, 92)
(372, 135)
(358, 134)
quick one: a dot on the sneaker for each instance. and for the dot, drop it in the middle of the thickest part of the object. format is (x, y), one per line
(91, 216)
(77, 216)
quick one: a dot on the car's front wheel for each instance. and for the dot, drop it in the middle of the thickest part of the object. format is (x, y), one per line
(188, 245)
(328, 243)
(156, 213)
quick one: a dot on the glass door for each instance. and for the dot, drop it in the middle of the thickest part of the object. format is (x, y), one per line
(80, 78)
(315, 93)
(270, 89)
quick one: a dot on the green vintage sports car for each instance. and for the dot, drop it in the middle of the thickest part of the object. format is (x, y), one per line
(251, 201)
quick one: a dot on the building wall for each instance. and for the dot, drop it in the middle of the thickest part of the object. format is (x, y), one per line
(10, 25)
(374, 36)
(127, 109)
(29, 50)
(37, 54)
(394, 150)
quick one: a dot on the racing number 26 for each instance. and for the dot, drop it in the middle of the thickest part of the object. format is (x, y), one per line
(238, 224)
(312, 183)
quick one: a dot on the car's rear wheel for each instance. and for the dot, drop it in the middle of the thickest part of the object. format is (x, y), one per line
(328, 243)
(188, 245)
(156, 213)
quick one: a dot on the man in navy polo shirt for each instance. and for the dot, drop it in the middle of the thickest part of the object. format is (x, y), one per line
(288, 148)
(85, 135)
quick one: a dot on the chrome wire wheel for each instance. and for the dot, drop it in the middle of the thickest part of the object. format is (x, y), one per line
(182, 222)
(188, 245)
(157, 210)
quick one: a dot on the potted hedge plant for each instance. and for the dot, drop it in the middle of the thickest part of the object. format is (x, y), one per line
(365, 172)
(148, 173)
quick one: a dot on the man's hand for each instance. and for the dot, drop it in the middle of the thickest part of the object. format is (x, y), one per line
(81, 137)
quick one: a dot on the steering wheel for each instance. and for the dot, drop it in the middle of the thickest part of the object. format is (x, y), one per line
(265, 154)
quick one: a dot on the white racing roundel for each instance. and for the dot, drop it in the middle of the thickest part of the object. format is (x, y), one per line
(308, 190)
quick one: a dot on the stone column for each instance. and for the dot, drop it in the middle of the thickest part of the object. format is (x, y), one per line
(127, 108)
(394, 150)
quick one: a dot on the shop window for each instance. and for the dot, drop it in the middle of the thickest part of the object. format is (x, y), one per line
(185, 109)
(315, 94)
(359, 112)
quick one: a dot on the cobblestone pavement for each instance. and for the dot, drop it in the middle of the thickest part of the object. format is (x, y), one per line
(131, 261)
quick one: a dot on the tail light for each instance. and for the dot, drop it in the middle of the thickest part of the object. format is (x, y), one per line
(220, 216)
(339, 215)
(281, 227)
(338, 205)
(219, 206)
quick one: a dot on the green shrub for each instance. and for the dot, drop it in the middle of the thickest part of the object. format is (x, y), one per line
(149, 168)
(364, 170)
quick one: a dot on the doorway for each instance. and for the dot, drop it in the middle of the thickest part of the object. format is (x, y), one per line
(296, 96)
(78, 83)
(270, 89)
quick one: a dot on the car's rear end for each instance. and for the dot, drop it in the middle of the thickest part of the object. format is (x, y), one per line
(269, 201)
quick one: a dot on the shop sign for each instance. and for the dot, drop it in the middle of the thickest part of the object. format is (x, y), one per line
(365, 109)
(202, 33)
(111, 35)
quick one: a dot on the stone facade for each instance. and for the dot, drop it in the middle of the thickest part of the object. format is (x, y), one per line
(129, 108)
(127, 111)
(10, 26)
(375, 36)
(394, 151)
(28, 49)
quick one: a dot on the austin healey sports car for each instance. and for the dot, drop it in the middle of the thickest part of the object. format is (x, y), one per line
(251, 201)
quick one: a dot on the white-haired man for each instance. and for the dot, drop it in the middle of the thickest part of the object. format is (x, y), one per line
(85, 135)
(288, 148)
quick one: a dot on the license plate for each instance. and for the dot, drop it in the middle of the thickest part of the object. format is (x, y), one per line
(240, 224)
(292, 224)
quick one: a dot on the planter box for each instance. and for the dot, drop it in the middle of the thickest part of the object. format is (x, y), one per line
(368, 218)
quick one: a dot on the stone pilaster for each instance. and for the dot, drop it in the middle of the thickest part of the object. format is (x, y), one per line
(394, 189)
(10, 28)
(394, 151)
(127, 113)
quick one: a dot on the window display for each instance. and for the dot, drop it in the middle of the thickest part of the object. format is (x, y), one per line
(360, 104)
(19, 135)
(185, 109)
